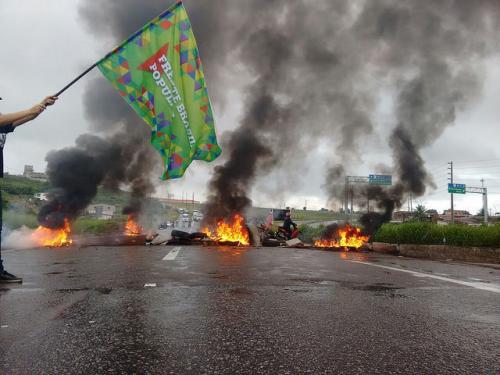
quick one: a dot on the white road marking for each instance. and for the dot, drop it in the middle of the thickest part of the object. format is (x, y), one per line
(477, 285)
(172, 254)
(4, 326)
(150, 285)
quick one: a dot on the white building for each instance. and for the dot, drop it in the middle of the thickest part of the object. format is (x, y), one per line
(30, 173)
(101, 211)
(42, 196)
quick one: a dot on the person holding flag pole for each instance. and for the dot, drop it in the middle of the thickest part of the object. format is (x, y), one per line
(8, 122)
(158, 72)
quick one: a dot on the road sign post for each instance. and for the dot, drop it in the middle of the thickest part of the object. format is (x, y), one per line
(456, 188)
(379, 179)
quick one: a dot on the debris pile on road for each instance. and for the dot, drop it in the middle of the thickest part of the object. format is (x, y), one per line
(345, 237)
(233, 232)
(133, 235)
(179, 237)
(49, 237)
(132, 227)
(117, 239)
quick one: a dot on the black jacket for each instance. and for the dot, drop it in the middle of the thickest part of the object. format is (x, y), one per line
(4, 130)
(288, 223)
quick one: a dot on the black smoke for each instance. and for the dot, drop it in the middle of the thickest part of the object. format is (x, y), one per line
(330, 232)
(317, 71)
(430, 56)
(75, 173)
(290, 98)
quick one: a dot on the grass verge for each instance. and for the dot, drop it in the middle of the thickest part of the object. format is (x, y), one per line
(432, 234)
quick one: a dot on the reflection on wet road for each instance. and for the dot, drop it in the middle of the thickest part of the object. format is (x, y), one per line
(245, 310)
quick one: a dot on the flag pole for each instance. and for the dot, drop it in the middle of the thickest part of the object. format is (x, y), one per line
(76, 79)
(177, 3)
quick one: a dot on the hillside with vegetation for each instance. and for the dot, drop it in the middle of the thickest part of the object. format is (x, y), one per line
(21, 207)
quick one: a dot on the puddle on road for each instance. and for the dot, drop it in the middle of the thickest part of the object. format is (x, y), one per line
(72, 290)
(298, 290)
(104, 290)
(241, 291)
(220, 277)
(378, 289)
(316, 281)
(375, 288)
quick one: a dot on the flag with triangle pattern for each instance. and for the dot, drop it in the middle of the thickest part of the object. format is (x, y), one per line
(158, 72)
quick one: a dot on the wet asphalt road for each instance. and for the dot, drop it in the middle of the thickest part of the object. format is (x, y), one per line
(246, 311)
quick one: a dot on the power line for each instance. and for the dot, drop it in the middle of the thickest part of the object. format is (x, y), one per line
(476, 161)
(450, 173)
(480, 167)
(461, 177)
(437, 166)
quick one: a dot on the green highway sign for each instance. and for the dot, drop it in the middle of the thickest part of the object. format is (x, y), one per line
(379, 179)
(456, 188)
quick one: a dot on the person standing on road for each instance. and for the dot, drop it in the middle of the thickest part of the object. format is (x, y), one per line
(8, 123)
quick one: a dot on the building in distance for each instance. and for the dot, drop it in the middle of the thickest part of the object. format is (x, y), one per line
(42, 196)
(101, 211)
(30, 173)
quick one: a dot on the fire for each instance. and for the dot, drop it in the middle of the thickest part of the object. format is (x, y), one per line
(235, 231)
(132, 228)
(44, 236)
(345, 237)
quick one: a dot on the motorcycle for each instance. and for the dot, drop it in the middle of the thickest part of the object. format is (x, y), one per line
(269, 237)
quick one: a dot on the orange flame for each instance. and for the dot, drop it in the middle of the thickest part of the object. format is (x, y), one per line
(345, 237)
(132, 228)
(44, 236)
(234, 231)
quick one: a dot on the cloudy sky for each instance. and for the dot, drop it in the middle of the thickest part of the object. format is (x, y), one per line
(45, 44)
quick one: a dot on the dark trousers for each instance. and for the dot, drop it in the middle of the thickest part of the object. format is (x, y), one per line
(1, 214)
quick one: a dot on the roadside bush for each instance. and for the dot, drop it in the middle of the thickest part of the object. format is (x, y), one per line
(309, 233)
(84, 225)
(17, 185)
(15, 220)
(432, 234)
(93, 226)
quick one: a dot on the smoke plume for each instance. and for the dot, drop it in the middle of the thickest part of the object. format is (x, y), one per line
(317, 71)
(432, 54)
(75, 173)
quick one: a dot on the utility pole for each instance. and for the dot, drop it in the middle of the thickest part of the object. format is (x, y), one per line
(450, 168)
(346, 196)
(485, 202)
(352, 200)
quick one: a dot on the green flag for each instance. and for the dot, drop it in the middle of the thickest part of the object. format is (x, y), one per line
(158, 71)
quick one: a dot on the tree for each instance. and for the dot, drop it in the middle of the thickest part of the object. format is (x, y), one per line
(420, 213)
